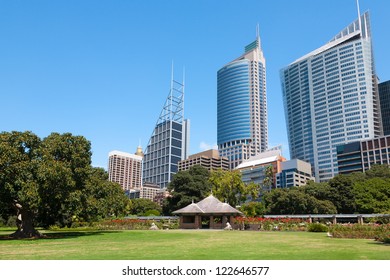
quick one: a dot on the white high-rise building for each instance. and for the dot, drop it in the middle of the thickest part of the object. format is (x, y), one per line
(331, 97)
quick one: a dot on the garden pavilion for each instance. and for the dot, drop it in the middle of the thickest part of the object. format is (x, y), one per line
(209, 213)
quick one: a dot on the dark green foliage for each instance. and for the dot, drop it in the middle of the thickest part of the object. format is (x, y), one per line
(295, 201)
(342, 195)
(372, 195)
(378, 171)
(317, 227)
(142, 206)
(53, 180)
(357, 192)
(187, 186)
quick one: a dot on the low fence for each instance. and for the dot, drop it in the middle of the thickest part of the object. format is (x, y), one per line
(333, 217)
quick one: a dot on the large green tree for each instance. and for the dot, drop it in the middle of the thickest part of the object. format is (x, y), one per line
(342, 195)
(143, 206)
(187, 186)
(372, 195)
(296, 201)
(51, 181)
(19, 182)
(228, 186)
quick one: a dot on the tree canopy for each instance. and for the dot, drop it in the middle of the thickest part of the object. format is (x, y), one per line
(228, 186)
(366, 193)
(143, 207)
(187, 186)
(51, 181)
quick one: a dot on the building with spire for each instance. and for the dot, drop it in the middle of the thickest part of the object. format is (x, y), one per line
(242, 122)
(169, 142)
(331, 97)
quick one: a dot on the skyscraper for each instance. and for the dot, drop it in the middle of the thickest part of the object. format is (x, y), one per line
(331, 97)
(384, 95)
(242, 128)
(169, 142)
(125, 169)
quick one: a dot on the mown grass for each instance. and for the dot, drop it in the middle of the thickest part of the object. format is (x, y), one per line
(190, 245)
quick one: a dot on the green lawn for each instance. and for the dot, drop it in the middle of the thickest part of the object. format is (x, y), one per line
(190, 245)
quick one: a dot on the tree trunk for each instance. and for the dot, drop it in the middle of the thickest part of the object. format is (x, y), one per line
(24, 222)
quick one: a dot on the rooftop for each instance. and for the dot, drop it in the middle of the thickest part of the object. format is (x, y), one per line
(209, 205)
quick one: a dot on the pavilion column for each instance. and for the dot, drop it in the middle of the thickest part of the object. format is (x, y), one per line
(181, 219)
(224, 221)
(334, 220)
(198, 222)
(211, 221)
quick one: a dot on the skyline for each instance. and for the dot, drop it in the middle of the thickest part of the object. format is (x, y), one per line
(103, 70)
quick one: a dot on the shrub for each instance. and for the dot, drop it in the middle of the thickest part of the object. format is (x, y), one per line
(385, 238)
(11, 222)
(366, 231)
(2, 222)
(268, 224)
(317, 227)
(129, 224)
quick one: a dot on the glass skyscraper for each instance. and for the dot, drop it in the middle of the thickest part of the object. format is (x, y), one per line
(242, 129)
(331, 97)
(384, 95)
(169, 142)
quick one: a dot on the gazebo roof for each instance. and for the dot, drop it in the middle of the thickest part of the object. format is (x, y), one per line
(209, 205)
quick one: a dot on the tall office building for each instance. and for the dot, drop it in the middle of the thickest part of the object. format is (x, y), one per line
(331, 97)
(384, 95)
(242, 128)
(125, 169)
(169, 142)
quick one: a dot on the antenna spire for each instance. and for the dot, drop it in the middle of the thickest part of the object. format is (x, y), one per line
(258, 36)
(359, 19)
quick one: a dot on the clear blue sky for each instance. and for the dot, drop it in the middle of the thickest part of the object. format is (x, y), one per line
(102, 69)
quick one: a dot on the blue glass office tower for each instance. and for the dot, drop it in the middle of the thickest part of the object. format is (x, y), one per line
(331, 97)
(242, 129)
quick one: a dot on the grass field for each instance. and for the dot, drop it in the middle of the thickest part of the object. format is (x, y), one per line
(190, 245)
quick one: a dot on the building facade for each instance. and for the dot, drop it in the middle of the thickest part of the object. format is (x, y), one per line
(149, 191)
(255, 169)
(294, 173)
(361, 156)
(331, 97)
(384, 95)
(242, 122)
(209, 159)
(169, 142)
(125, 169)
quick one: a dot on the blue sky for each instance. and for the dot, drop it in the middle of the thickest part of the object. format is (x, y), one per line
(102, 69)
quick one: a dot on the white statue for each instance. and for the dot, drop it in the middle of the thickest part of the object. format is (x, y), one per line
(228, 226)
(153, 227)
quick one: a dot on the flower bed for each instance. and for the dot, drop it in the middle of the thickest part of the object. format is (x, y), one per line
(268, 224)
(366, 231)
(138, 224)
